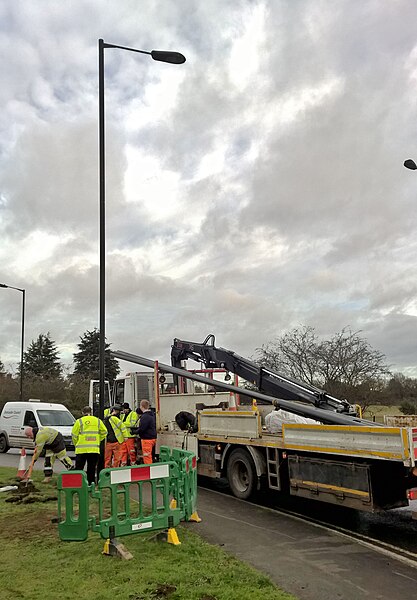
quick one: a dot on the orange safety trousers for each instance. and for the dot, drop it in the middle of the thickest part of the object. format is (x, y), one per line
(129, 451)
(113, 455)
(147, 447)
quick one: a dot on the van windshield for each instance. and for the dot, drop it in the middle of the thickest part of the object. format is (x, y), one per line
(60, 418)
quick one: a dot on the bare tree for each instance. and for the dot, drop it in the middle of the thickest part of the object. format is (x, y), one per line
(294, 354)
(349, 359)
(345, 365)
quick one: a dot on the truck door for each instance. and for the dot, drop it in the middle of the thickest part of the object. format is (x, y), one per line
(29, 420)
(119, 391)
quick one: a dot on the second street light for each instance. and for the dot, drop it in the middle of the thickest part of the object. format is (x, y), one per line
(3, 285)
(159, 55)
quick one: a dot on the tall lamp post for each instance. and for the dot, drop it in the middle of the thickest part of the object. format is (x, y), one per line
(3, 285)
(159, 55)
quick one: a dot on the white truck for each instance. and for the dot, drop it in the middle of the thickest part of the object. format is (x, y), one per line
(16, 416)
(139, 385)
(340, 458)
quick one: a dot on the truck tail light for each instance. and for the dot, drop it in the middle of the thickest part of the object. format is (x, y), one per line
(412, 494)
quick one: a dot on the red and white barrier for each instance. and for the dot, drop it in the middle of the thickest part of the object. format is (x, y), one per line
(140, 473)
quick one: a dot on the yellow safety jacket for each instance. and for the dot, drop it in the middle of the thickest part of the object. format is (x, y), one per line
(45, 435)
(130, 420)
(119, 429)
(87, 433)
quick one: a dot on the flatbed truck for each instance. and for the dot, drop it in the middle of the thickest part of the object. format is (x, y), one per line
(340, 458)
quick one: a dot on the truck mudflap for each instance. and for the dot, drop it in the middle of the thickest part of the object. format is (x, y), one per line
(389, 443)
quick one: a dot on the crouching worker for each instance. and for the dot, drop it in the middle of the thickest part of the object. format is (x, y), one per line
(52, 442)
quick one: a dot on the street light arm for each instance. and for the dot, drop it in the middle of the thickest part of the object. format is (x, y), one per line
(106, 45)
(10, 287)
(175, 58)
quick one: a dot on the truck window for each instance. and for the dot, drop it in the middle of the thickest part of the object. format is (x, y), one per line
(29, 420)
(119, 394)
(96, 393)
(59, 418)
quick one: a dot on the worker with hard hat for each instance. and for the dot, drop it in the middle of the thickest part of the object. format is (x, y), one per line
(116, 435)
(130, 420)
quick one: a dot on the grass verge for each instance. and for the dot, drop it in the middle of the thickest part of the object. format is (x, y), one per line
(35, 564)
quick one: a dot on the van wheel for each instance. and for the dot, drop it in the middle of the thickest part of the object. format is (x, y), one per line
(4, 447)
(241, 474)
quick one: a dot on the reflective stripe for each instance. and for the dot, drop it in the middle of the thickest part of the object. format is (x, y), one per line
(86, 445)
(88, 435)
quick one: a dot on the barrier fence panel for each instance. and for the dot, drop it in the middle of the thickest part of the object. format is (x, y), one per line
(156, 485)
(73, 506)
(184, 490)
(121, 483)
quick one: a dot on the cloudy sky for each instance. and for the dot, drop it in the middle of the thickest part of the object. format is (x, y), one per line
(257, 187)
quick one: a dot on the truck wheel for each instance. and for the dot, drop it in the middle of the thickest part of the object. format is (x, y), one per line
(4, 447)
(241, 474)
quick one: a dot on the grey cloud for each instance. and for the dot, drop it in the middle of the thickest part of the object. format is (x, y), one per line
(50, 182)
(327, 194)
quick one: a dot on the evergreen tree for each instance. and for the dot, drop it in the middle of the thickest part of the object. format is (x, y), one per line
(86, 360)
(41, 358)
(2, 371)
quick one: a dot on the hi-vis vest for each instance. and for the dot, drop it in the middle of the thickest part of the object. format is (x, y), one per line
(130, 420)
(87, 433)
(118, 428)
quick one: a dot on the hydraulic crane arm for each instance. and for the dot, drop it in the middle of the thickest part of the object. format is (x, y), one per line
(324, 416)
(266, 380)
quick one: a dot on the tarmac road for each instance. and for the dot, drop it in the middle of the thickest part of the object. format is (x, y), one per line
(305, 559)
(11, 459)
(311, 562)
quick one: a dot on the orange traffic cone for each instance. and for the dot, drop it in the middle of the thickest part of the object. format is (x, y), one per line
(21, 469)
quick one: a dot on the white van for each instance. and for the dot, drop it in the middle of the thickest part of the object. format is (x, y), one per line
(16, 416)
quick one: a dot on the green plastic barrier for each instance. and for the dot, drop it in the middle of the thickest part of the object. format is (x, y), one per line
(173, 478)
(73, 506)
(185, 489)
(120, 483)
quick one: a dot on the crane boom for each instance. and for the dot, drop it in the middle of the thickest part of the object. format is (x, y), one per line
(266, 380)
(313, 412)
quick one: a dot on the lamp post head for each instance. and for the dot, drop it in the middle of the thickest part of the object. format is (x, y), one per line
(410, 164)
(174, 58)
(3, 285)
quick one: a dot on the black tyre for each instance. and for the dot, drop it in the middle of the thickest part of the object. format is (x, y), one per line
(4, 447)
(241, 474)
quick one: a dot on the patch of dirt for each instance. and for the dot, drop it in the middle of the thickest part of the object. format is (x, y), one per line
(163, 591)
(27, 493)
(27, 525)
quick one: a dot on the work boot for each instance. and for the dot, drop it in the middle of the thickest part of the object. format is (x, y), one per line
(47, 480)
